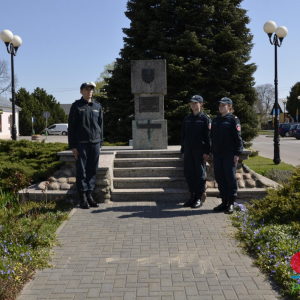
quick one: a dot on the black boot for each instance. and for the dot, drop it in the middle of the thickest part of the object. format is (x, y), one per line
(90, 199)
(191, 201)
(230, 207)
(222, 206)
(197, 202)
(83, 201)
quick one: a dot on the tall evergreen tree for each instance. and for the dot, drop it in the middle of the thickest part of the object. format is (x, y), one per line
(206, 45)
(292, 101)
(34, 105)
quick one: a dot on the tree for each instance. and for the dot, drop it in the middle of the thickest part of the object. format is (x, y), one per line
(34, 105)
(206, 45)
(101, 80)
(266, 97)
(5, 79)
(292, 101)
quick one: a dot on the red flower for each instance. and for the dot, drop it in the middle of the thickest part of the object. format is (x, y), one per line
(295, 262)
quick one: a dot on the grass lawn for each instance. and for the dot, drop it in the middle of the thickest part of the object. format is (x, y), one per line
(262, 165)
(266, 132)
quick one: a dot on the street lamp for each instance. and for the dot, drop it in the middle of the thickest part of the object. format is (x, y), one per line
(297, 108)
(284, 101)
(12, 42)
(280, 33)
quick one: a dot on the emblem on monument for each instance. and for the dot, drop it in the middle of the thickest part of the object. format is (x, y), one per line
(148, 75)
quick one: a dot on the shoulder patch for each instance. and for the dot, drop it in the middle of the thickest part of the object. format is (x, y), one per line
(238, 127)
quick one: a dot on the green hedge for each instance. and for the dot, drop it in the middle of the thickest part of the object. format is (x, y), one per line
(33, 159)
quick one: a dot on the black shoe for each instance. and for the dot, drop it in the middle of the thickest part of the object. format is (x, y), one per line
(230, 207)
(222, 206)
(83, 201)
(191, 201)
(197, 202)
(90, 199)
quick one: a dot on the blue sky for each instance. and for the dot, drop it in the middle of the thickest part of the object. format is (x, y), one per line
(69, 42)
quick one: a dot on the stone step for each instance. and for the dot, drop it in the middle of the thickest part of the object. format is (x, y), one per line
(148, 154)
(177, 194)
(150, 182)
(148, 162)
(149, 172)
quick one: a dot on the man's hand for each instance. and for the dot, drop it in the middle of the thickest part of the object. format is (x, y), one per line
(205, 157)
(75, 152)
(235, 160)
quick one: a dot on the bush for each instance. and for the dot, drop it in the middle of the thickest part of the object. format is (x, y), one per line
(253, 153)
(270, 231)
(27, 237)
(35, 160)
(280, 176)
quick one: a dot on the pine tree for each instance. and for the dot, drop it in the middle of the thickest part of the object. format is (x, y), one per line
(206, 45)
(292, 101)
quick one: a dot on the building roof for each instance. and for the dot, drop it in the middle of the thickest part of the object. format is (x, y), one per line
(4, 103)
(66, 108)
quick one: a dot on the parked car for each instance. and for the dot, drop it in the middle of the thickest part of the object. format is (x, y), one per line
(284, 129)
(295, 131)
(57, 129)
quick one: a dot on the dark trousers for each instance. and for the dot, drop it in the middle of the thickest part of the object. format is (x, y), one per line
(194, 169)
(225, 175)
(87, 166)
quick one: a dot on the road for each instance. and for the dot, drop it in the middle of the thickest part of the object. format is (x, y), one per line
(289, 148)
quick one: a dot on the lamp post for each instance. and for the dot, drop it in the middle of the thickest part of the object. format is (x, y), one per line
(284, 101)
(280, 33)
(297, 107)
(12, 42)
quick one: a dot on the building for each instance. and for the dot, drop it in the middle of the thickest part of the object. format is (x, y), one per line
(66, 108)
(6, 118)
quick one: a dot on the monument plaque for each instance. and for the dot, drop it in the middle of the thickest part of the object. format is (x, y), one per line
(149, 85)
(148, 104)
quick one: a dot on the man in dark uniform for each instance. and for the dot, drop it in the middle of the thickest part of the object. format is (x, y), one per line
(85, 136)
(227, 146)
(195, 149)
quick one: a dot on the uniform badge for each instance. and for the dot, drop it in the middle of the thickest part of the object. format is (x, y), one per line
(209, 126)
(238, 127)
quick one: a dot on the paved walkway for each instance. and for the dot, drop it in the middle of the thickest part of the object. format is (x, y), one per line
(149, 251)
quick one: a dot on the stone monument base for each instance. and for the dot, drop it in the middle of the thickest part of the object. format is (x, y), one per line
(149, 134)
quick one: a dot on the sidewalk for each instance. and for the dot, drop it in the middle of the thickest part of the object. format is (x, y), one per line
(149, 251)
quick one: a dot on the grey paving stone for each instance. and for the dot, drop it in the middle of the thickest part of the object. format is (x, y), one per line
(148, 250)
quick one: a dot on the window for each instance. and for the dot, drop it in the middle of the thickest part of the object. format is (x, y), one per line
(52, 127)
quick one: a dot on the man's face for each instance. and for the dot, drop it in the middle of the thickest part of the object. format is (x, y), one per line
(87, 92)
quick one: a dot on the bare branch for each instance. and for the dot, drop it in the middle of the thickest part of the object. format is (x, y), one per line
(5, 78)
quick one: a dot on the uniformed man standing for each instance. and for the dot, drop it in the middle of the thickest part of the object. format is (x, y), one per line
(195, 149)
(85, 136)
(227, 146)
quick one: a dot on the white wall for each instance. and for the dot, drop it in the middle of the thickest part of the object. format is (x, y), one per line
(5, 132)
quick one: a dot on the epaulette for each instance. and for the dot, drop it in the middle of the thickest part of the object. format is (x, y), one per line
(234, 116)
(207, 115)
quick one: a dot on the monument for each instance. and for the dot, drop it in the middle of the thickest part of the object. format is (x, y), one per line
(149, 85)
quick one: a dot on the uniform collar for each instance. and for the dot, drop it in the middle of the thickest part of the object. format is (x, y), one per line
(226, 116)
(198, 115)
(85, 101)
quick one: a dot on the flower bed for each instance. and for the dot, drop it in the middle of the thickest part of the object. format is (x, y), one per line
(26, 239)
(269, 230)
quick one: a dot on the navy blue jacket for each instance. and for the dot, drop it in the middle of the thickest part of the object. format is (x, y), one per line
(226, 135)
(196, 132)
(85, 123)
